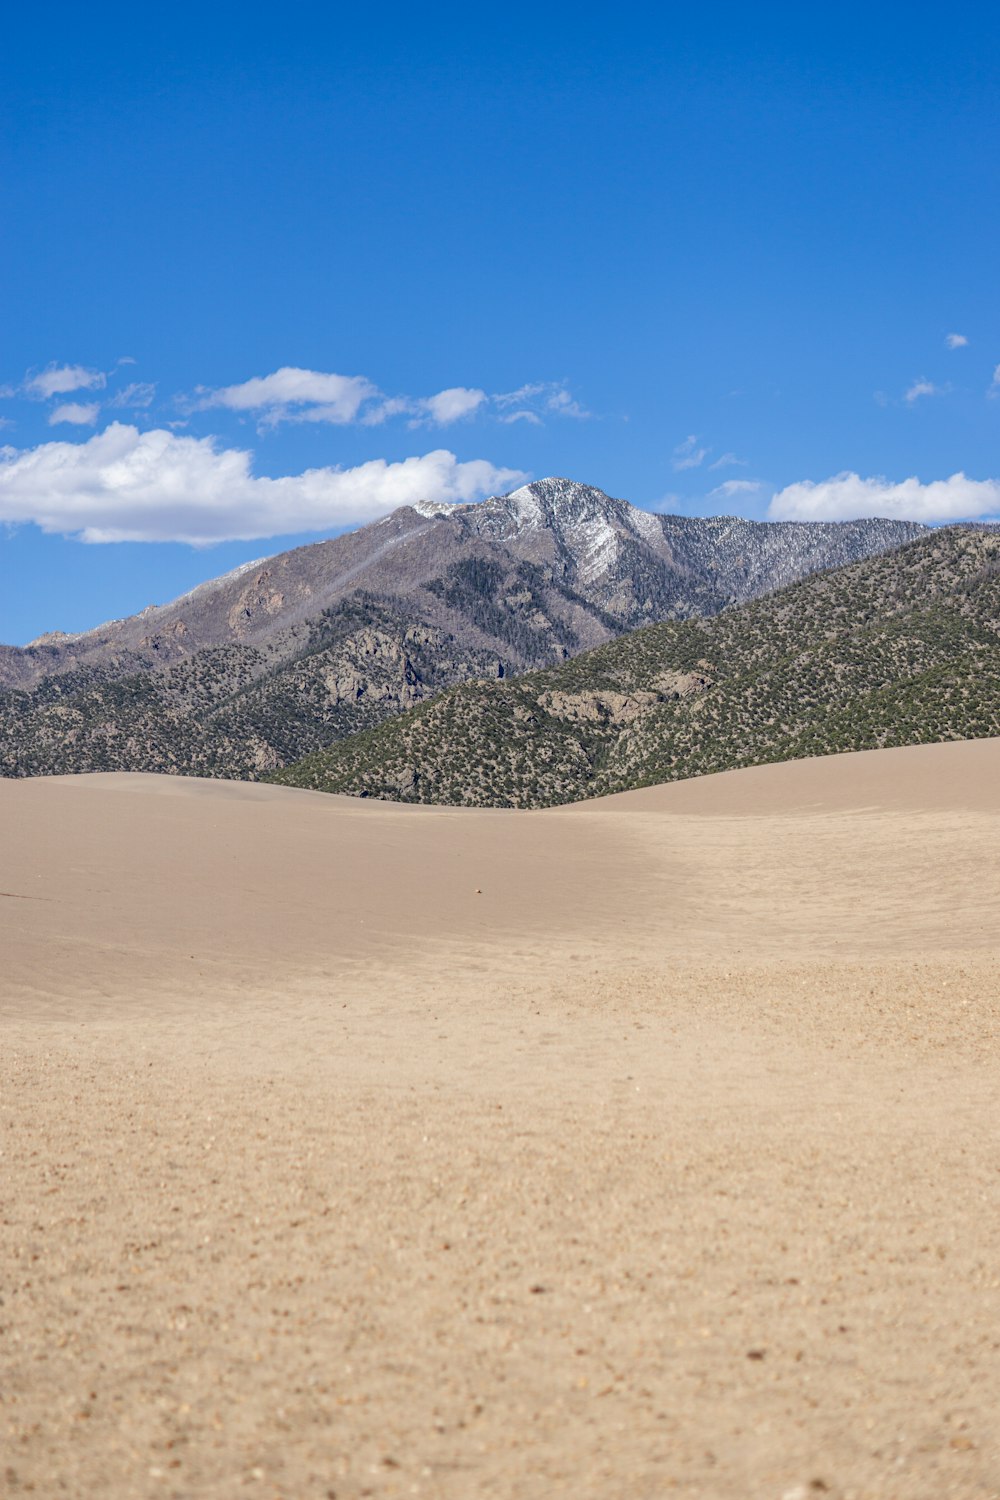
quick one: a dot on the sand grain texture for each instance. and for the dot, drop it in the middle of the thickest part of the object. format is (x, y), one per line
(638, 1148)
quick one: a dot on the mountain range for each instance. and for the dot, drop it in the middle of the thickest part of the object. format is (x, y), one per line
(288, 655)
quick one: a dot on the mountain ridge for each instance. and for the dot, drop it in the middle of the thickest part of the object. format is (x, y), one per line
(581, 518)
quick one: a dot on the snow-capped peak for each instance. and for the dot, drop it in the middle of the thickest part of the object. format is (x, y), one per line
(524, 502)
(432, 508)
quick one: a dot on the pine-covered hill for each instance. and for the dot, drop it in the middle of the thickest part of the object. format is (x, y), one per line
(895, 650)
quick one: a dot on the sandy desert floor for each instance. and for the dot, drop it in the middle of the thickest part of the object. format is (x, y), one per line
(647, 1147)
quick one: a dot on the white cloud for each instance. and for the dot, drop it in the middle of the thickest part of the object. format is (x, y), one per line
(733, 487)
(922, 388)
(450, 406)
(59, 380)
(728, 461)
(994, 389)
(955, 340)
(847, 496)
(294, 395)
(688, 455)
(81, 414)
(126, 485)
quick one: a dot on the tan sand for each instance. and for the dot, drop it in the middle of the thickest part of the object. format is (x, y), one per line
(641, 1148)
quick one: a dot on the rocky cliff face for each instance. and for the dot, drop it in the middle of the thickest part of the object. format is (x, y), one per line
(292, 652)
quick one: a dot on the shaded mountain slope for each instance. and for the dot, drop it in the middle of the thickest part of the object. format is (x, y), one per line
(895, 650)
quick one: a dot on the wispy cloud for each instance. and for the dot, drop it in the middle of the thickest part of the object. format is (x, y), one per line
(847, 497)
(60, 380)
(563, 404)
(994, 387)
(134, 397)
(731, 487)
(921, 388)
(955, 340)
(295, 395)
(57, 380)
(80, 414)
(729, 460)
(127, 485)
(532, 402)
(688, 455)
(531, 417)
(917, 390)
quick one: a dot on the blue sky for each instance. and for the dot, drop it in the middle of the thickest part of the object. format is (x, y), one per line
(268, 273)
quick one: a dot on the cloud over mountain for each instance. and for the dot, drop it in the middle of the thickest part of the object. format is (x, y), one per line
(847, 496)
(127, 485)
(731, 487)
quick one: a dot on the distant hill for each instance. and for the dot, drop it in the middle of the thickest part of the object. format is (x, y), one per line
(293, 653)
(899, 649)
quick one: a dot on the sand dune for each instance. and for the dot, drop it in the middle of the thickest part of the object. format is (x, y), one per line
(642, 1147)
(953, 778)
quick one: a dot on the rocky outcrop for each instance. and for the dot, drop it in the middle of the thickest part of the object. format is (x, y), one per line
(598, 707)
